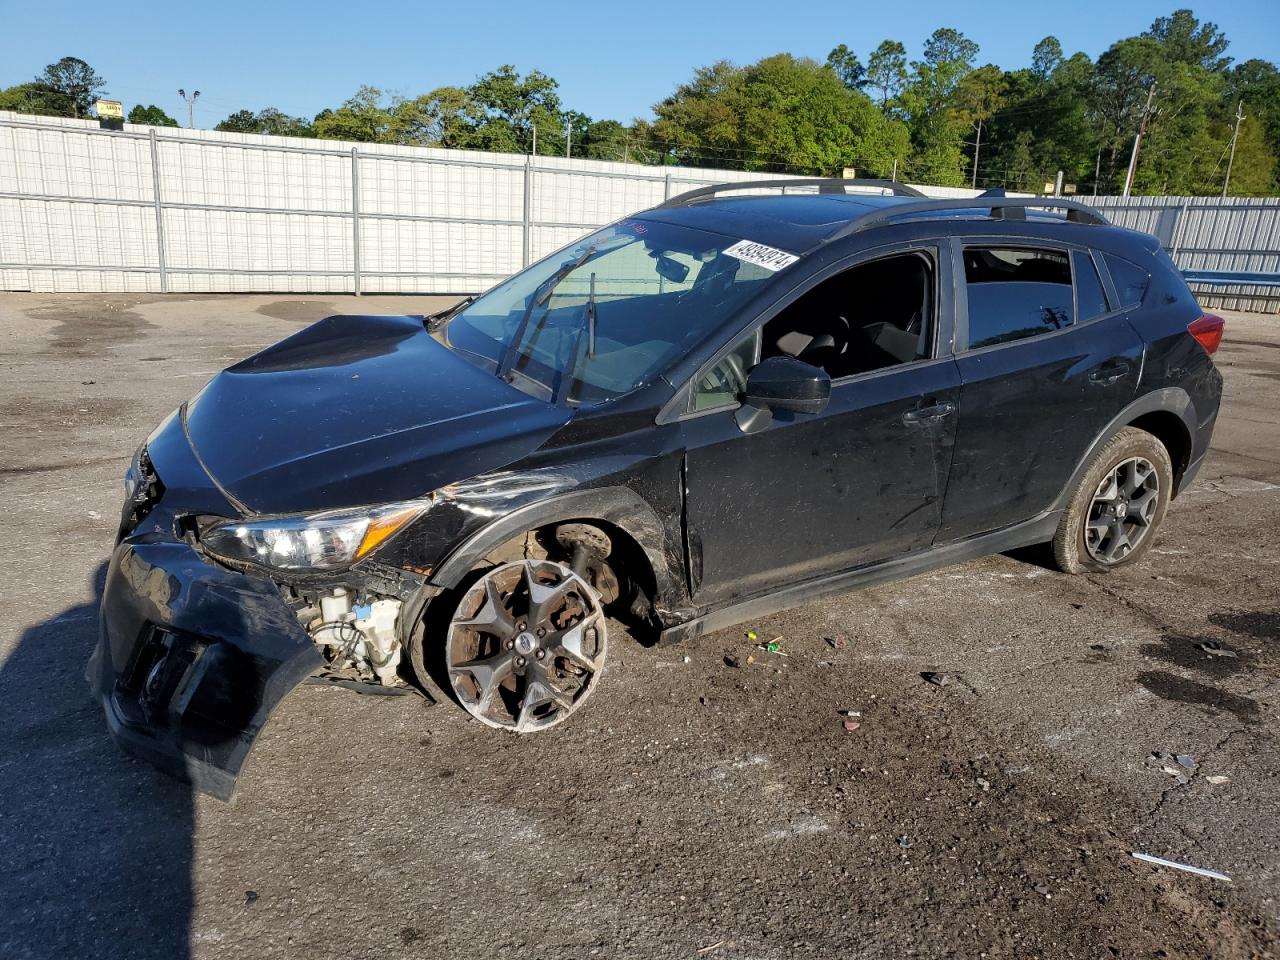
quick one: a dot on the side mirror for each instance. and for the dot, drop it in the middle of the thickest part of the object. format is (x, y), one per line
(785, 383)
(782, 383)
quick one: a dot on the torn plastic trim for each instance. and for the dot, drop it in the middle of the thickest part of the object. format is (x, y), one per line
(192, 661)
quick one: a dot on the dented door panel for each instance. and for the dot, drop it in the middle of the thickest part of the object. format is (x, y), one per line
(809, 495)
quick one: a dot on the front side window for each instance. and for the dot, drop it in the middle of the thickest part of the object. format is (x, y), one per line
(609, 313)
(875, 315)
(1016, 293)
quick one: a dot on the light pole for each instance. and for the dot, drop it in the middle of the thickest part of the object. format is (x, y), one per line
(191, 106)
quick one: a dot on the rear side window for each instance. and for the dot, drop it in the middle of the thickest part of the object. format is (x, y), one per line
(1016, 293)
(1090, 300)
(1130, 280)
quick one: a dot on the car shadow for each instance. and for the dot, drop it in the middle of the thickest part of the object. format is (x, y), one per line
(95, 848)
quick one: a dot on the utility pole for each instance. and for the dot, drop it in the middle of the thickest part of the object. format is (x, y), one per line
(1137, 141)
(977, 145)
(1234, 136)
(568, 137)
(191, 107)
(534, 151)
(895, 169)
(1097, 171)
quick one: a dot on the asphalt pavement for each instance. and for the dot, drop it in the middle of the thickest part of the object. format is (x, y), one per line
(691, 809)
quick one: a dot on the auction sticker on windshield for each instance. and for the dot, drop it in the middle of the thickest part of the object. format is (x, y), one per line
(761, 255)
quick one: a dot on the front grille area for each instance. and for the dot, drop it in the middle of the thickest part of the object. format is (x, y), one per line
(157, 675)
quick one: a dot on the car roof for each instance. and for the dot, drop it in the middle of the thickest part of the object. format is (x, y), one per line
(792, 221)
(800, 222)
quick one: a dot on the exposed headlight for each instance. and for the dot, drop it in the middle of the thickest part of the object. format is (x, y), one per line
(321, 541)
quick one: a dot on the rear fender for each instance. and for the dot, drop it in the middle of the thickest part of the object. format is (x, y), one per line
(1173, 400)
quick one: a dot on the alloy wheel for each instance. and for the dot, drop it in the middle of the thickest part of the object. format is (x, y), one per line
(1122, 510)
(526, 645)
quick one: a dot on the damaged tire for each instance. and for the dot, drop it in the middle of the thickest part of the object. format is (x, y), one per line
(526, 645)
(1115, 511)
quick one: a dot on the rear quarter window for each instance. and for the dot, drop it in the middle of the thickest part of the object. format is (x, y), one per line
(1091, 301)
(1130, 280)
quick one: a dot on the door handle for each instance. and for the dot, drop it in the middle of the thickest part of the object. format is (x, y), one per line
(928, 412)
(1108, 373)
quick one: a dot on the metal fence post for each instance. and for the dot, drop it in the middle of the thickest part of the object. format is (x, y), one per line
(155, 193)
(355, 220)
(527, 217)
(666, 187)
(1179, 226)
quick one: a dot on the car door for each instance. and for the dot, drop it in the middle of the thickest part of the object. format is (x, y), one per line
(1045, 364)
(814, 494)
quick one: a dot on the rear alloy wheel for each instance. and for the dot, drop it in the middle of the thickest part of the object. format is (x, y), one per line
(1113, 515)
(526, 645)
(1122, 510)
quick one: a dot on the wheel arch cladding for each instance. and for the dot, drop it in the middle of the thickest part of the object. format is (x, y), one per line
(1170, 430)
(1165, 413)
(619, 511)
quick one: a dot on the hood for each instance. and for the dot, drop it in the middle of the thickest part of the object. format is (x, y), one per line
(358, 410)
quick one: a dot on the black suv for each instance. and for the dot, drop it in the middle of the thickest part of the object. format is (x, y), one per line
(720, 407)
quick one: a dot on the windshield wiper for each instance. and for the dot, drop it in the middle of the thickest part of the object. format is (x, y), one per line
(541, 294)
(589, 328)
(435, 321)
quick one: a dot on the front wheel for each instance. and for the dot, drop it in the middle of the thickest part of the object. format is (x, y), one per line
(526, 645)
(1113, 515)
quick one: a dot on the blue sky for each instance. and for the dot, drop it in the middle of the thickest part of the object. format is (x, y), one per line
(612, 59)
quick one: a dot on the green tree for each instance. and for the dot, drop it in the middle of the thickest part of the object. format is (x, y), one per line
(151, 116)
(242, 121)
(887, 71)
(1184, 39)
(782, 114)
(847, 67)
(361, 118)
(1046, 57)
(34, 98)
(938, 125)
(509, 107)
(442, 118)
(73, 84)
(268, 121)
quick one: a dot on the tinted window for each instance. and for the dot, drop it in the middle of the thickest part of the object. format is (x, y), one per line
(1090, 300)
(1130, 280)
(1015, 294)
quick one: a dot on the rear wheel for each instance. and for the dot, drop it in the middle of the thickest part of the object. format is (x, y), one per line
(1120, 502)
(526, 645)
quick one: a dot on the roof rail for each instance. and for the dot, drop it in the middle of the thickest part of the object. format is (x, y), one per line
(999, 208)
(831, 185)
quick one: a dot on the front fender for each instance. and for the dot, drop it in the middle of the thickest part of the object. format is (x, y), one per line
(620, 506)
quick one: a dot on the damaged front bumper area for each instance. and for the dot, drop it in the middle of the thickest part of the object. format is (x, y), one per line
(192, 657)
(192, 660)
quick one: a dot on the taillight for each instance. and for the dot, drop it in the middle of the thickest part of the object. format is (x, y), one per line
(1208, 331)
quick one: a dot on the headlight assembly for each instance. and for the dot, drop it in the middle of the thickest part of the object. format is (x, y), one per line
(322, 541)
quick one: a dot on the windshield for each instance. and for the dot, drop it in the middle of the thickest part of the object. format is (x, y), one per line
(608, 313)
